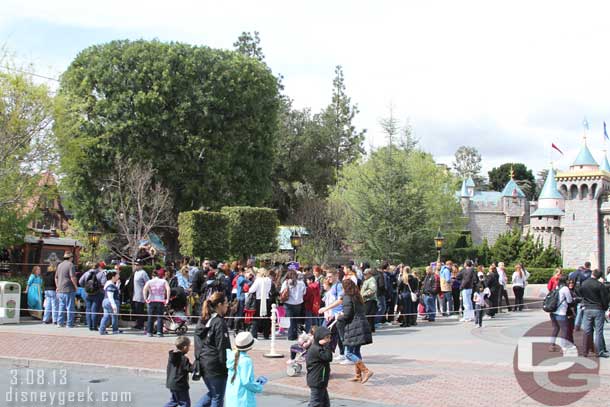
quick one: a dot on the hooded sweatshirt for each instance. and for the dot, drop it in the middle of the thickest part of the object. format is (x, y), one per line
(241, 393)
(178, 368)
(318, 360)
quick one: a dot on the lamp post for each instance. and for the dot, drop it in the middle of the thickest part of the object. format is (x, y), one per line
(94, 240)
(438, 242)
(296, 241)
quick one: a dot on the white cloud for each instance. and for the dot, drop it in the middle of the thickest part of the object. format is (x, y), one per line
(508, 78)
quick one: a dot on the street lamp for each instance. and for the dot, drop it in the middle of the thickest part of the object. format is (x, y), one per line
(94, 240)
(438, 242)
(296, 241)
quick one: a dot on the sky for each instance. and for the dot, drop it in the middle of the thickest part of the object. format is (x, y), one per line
(508, 78)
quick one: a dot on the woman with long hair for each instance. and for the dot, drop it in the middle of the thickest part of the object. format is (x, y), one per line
(295, 290)
(261, 288)
(356, 331)
(211, 344)
(408, 285)
(559, 318)
(51, 303)
(34, 293)
(520, 277)
(455, 289)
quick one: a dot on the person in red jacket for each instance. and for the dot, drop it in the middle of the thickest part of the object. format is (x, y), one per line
(312, 300)
(554, 281)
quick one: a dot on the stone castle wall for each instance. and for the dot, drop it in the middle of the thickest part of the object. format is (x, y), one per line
(487, 225)
(581, 236)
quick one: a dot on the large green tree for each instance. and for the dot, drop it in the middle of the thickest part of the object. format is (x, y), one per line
(467, 162)
(499, 177)
(26, 150)
(204, 118)
(395, 201)
(344, 141)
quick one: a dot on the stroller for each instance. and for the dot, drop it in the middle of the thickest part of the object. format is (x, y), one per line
(298, 353)
(175, 320)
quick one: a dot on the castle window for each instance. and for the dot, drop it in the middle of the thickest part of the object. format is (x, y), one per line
(556, 217)
(584, 191)
(573, 192)
(539, 217)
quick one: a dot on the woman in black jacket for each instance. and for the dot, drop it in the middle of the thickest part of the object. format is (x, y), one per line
(357, 331)
(408, 284)
(211, 344)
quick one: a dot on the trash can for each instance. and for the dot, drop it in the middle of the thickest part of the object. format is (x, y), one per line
(10, 302)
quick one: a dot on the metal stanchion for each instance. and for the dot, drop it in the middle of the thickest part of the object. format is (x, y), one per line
(272, 353)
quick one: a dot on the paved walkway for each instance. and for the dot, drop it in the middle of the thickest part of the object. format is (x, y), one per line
(444, 362)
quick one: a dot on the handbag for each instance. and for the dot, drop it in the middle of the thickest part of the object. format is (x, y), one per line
(413, 295)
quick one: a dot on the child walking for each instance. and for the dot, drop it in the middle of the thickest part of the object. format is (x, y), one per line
(480, 301)
(241, 384)
(318, 359)
(178, 369)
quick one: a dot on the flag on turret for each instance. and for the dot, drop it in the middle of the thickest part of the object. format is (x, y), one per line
(556, 148)
(605, 133)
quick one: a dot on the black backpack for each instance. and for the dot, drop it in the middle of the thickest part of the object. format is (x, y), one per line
(92, 284)
(551, 301)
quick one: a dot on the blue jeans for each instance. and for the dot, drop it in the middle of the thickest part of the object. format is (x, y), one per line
(292, 311)
(216, 392)
(109, 315)
(155, 311)
(179, 399)
(447, 303)
(66, 307)
(579, 314)
(52, 308)
(593, 321)
(430, 304)
(93, 305)
(467, 303)
(309, 321)
(381, 308)
(353, 353)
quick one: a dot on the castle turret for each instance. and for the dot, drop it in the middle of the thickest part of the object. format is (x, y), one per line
(465, 196)
(605, 164)
(583, 238)
(546, 220)
(514, 204)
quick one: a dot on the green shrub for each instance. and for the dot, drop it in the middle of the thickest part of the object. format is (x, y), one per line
(203, 234)
(251, 230)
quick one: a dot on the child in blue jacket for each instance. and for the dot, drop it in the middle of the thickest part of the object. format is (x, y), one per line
(241, 384)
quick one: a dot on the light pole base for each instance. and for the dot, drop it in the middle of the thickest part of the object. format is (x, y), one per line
(273, 355)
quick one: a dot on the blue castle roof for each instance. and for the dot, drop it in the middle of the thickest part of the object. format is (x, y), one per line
(470, 182)
(585, 157)
(512, 189)
(464, 190)
(549, 190)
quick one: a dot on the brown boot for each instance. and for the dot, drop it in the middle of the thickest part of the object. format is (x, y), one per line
(358, 376)
(366, 373)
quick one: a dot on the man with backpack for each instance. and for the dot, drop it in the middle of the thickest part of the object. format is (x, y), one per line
(445, 280)
(93, 281)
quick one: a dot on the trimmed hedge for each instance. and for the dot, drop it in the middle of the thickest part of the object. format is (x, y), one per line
(203, 234)
(251, 230)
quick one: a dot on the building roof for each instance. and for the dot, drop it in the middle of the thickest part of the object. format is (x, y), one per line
(284, 233)
(549, 190)
(470, 182)
(464, 190)
(483, 196)
(54, 241)
(584, 157)
(605, 164)
(547, 212)
(512, 189)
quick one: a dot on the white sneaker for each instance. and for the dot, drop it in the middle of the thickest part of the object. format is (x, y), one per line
(462, 319)
(346, 362)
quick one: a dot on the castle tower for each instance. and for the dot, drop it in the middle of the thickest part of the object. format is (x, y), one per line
(514, 204)
(466, 193)
(546, 220)
(583, 186)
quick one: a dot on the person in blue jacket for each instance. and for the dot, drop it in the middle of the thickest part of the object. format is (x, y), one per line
(241, 384)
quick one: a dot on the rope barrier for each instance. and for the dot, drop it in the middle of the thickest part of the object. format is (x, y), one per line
(386, 315)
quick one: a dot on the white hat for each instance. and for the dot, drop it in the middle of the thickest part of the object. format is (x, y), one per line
(244, 341)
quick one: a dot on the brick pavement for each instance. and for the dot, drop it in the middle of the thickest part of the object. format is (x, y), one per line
(400, 377)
